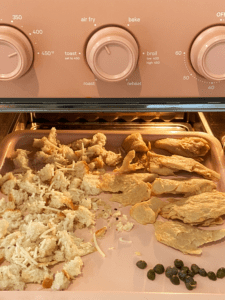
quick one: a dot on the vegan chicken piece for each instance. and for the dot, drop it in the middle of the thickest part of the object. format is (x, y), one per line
(121, 182)
(167, 165)
(146, 212)
(134, 194)
(134, 142)
(127, 167)
(185, 238)
(187, 187)
(188, 146)
(204, 209)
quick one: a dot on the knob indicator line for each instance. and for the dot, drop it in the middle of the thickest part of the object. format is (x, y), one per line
(13, 54)
(107, 50)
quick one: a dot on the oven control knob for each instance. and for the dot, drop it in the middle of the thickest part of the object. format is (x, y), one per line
(208, 53)
(112, 54)
(16, 53)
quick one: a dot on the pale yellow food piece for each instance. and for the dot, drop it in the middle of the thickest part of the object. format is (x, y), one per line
(127, 167)
(121, 182)
(187, 187)
(188, 146)
(134, 142)
(141, 159)
(201, 209)
(133, 195)
(167, 165)
(184, 237)
(100, 233)
(146, 212)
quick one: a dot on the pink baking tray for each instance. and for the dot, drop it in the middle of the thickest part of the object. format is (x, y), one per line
(116, 275)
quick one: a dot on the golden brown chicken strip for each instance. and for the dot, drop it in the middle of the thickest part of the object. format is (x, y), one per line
(184, 237)
(121, 182)
(146, 212)
(188, 187)
(134, 142)
(133, 194)
(188, 146)
(167, 165)
(204, 209)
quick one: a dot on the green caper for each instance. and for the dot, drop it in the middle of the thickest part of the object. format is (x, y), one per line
(191, 285)
(178, 263)
(189, 279)
(159, 269)
(195, 268)
(141, 264)
(212, 275)
(182, 275)
(190, 273)
(170, 271)
(151, 274)
(185, 269)
(175, 280)
(220, 273)
(202, 272)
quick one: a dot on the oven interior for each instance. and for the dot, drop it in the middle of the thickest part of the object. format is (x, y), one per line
(209, 122)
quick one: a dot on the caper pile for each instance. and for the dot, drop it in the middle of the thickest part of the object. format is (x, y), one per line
(180, 272)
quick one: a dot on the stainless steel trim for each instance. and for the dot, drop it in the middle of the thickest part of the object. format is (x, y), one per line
(104, 107)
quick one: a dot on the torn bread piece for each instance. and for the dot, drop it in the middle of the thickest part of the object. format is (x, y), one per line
(184, 237)
(4, 224)
(146, 212)
(167, 165)
(135, 194)
(32, 274)
(203, 209)
(39, 143)
(111, 159)
(8, 185)
(61, 282)
(187, 146)
(187, 187)
(72, 246)
(10, 278)
(121, 182)
(97, 139)
(73, 268)
(46, 173)
(20, 159)
(134, 142)
(6, 177)
(91, 184)
(59, 181)
(58, 199)
(127, 167)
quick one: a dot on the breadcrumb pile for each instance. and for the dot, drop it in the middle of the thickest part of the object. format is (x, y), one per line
(44, 204)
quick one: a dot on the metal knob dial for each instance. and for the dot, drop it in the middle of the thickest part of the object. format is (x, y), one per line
(208, 53)
(112, 54)
(16, 53)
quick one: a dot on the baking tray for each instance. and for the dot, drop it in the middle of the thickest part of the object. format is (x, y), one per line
(116, 275)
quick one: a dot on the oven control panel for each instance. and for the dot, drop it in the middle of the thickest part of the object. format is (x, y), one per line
(116, 49)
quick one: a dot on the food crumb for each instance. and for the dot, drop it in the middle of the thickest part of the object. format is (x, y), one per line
(124, 241)
(111, 248)
(137, 253)
(116, 214)
(125, 217)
